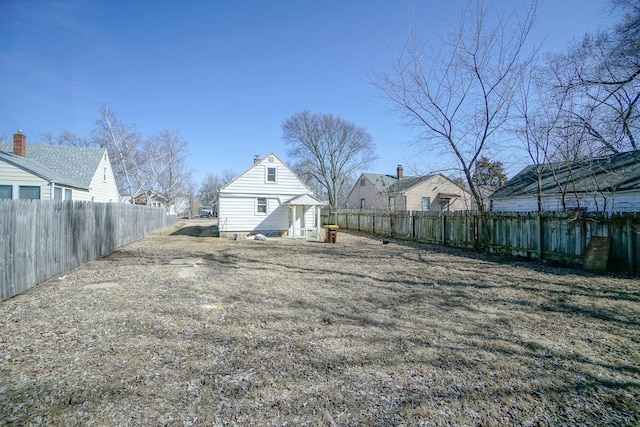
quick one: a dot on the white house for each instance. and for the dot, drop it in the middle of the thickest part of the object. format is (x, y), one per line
(269, 199)
(57, 172)
(600, 184)
(434, 192)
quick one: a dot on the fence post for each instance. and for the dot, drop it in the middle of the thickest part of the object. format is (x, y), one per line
(630, 245)
(540, 234)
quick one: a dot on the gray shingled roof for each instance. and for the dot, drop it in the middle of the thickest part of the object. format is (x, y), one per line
(619, 172)
(407, 182)
(67, 165)
(391, 184)
(381, 182)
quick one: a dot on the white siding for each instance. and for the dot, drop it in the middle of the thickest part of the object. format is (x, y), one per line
(104, 188)
(618, 202)
(14, 176)
(11, 175)
(237, 200)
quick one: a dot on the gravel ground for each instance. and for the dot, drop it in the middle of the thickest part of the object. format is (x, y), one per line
(183, 329)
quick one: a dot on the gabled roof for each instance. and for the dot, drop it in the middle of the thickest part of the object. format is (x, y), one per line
(304, 200)
(619, 172)
(391, 184)
(407, 182)
(66, 165)
(259, 161)
(380, 182)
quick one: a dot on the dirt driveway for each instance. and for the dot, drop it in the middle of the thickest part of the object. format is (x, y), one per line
(183, 330)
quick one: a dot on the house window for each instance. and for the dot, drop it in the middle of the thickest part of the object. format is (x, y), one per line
(6, 192)
(57, 193)
(363, 182)
(392, 203)
(444, 204)
(67, 194)
(104, 174)
(271, 174)
(426, 203)
(261, 205)
(29, 192)
(361, 203)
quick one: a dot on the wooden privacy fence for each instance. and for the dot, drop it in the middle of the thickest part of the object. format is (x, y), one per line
(42, 238)
(558, 236)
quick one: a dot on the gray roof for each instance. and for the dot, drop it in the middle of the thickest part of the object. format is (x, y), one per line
(407, 182)
(391, 184)
(66, 165)
(380, 182)
(619, 172)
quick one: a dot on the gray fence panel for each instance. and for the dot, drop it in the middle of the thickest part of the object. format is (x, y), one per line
(42, 238)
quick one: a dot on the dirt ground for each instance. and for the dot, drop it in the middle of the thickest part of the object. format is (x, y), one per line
(183, 329)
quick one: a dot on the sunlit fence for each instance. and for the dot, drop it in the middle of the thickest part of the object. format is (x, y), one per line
(39, 239)
(557, 236)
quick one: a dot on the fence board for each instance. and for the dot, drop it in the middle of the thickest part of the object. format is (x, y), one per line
(561, 236)
(42, 238)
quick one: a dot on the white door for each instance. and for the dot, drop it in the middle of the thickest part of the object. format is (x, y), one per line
(298, 221)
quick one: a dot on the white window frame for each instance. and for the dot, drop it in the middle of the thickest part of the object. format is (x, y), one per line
(30, 186)
(428, 204)
(362, 204)
(265, 204)
(11, 191)
(392, 203)
(275, 175)
(68, 194)
(58, 191)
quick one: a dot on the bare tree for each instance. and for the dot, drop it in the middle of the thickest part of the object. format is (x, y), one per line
(305, 171)
(211, 185)
(68, 138)
(123, 143)
(459, 97)
(601, 77)
(165, 166)
(331, 149)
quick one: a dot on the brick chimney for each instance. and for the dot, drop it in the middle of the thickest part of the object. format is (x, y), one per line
(256, 159)
(19, 144)
(400, 172)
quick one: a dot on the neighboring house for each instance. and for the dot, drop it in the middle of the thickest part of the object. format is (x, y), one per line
(269, 199)
(433, 192)
(44, 172)
(154, 199)
(600, 184)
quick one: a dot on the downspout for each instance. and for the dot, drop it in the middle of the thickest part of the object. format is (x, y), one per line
(53, 189)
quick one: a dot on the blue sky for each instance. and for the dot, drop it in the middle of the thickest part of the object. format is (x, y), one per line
(226, 74)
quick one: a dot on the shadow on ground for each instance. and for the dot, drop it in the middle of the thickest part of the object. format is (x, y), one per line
(198, 231)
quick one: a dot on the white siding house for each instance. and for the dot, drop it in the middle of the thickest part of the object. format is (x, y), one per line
(269, 199)
(55, 172)
(601, 184)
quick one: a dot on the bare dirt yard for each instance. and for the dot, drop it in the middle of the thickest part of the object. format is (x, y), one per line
(182, 330)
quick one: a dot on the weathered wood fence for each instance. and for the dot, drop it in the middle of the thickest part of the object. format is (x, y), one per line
(39, 239)
(558, 236)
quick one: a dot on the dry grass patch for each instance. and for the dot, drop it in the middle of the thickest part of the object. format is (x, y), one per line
(180, 330)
